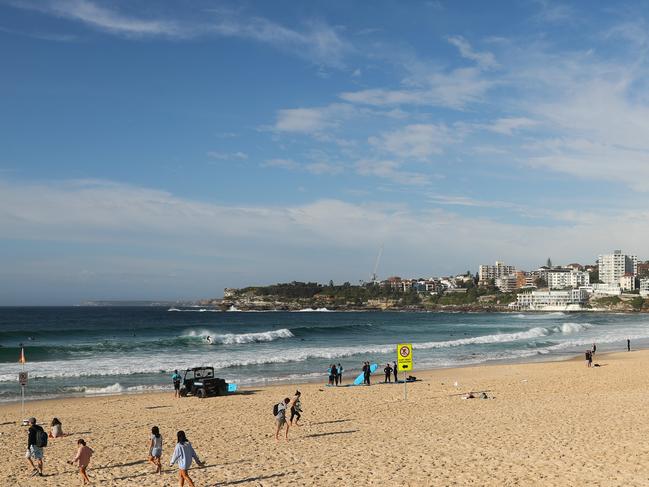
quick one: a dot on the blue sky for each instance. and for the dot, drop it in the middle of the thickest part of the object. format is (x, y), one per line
(171, 149)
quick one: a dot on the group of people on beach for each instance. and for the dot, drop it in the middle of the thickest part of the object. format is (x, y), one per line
(335, 374)
(294, 405)
(37, 441)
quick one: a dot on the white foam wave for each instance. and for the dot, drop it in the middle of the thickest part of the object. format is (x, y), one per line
(241, 338)
(117, 388)
(570, 328)
(233, 308)
(201, 310)
(541, 316)
(316, 310)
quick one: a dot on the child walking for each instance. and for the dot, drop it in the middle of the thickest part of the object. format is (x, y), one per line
(183, 454)
(155, 449)
(83, 459)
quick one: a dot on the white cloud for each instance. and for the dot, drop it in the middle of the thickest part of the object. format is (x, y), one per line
(312, 120)
(484, 59)
(281, 163)
(225, 156)
(455, 89)
(390, 170)
(318, 42)
(419, 141)
(507, 126)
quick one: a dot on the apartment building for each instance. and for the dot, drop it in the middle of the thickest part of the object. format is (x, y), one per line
(488, 272)
(612, 267)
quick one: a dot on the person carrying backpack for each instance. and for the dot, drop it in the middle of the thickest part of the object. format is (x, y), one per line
(279, 411)
(36, 441)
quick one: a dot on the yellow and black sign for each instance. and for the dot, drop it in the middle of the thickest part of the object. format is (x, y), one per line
(404, 356)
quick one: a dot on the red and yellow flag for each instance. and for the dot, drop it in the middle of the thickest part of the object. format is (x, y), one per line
(22, 359)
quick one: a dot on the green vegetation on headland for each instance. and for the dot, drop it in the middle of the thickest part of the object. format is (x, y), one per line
(303, 295)
(295, 296)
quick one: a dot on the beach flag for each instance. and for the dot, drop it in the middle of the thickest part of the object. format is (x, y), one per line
(22, 359)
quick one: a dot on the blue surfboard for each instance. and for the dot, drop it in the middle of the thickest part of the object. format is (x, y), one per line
(359, 380)
(232, 387)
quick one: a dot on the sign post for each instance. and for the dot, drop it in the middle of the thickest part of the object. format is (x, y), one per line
(404, 363)
(22, 379)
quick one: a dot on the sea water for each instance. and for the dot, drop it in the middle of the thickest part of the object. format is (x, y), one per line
(104, 350)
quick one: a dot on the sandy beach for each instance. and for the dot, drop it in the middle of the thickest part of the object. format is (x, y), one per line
(557, 423)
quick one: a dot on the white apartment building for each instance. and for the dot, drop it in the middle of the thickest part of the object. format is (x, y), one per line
(614, 266)
(507, 283)
(644, 287)
(551, 300)
(627, 282)
(564, 278)
(488, 272)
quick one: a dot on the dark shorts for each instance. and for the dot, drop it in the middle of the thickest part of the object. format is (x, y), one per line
(177, 386)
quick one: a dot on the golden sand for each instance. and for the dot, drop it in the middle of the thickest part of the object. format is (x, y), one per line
(556, 423)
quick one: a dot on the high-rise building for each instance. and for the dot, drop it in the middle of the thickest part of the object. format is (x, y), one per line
(561, 278)
(612, 267)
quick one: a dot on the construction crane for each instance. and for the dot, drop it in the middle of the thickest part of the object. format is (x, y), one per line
(376, 264)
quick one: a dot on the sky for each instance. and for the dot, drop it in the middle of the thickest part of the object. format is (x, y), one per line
(168, 150)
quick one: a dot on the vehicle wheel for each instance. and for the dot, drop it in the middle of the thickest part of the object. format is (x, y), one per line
(201, 393)
(183, 392)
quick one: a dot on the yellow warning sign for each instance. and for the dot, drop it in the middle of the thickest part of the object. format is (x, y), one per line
(404, 356)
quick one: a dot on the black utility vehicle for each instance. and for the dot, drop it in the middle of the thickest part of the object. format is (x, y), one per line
(200, 382)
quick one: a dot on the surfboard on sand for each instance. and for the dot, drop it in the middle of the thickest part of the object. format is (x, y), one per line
(359, 380)
(232, 387)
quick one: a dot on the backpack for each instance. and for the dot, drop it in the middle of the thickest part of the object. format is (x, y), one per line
(41, 438)
(276, 409)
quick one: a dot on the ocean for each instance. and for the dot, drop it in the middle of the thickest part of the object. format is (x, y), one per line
(104, 350)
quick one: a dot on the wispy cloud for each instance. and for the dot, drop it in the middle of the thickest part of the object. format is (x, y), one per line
(227, 156)
(484, 59)
(507, 126)
(390, 170)
(316, 42)
(418, 141)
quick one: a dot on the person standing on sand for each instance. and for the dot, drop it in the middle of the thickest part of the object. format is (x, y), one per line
(176, 380)
(388, 373)
(594, 348)
(83, 458)
(628, 345)
(334, 374)
(395, 371)
(368, 373)
(184, 454)
(35, 446)
(155, 449)
(340, 374)
(280, 417)
(589, 358)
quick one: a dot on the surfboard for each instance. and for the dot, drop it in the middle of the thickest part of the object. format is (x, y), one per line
(359, 380)
(232, 387)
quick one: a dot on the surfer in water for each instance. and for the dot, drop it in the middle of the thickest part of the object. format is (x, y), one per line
(208, 339)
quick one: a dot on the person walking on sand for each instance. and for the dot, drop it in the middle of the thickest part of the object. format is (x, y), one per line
(184, 454)
(175, 378)
(388, 373)
(296, 408)
(279, 412)
(589, 358)
(628, 345)
(82, 457)
(594, 348)
(395, 371)
(36, 441)
(155, 449)
(340, 374)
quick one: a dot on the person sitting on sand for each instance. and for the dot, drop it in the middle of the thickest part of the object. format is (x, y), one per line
(56, 429)
(296, 408)
(388, 373)
(155, 449)
(280, 417)
(184, 454)
(82, 457)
